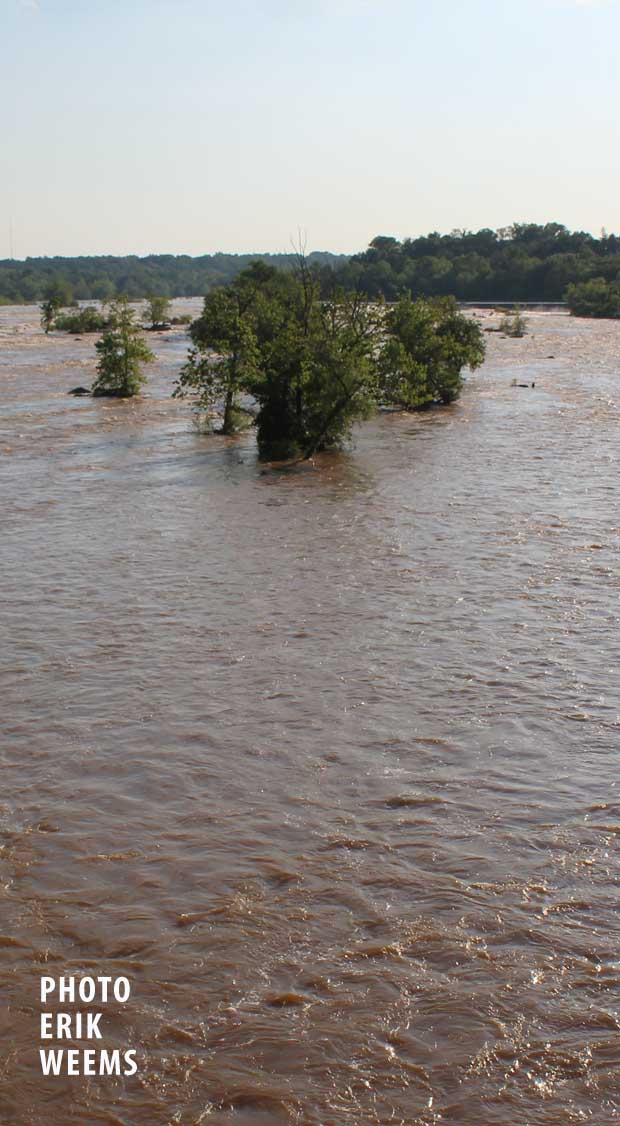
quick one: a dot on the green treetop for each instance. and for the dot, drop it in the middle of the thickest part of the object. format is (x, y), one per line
(122, 351)
(158, 309)
(58, 294)
(224, 359)
(594, 298)
(317, 363)
(49, 310)
(427, 344)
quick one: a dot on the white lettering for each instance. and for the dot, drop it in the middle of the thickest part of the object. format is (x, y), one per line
(117, 989)
(66, 992)
(104, 982)
(133, 1067)
(73, 1062)
(48, 985)
(87, 989)
(110, 1062)
(85, 1062)
(51, 1060)
(80, 1026)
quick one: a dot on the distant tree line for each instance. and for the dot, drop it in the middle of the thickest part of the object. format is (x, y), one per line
(524, 262)
(106, 278)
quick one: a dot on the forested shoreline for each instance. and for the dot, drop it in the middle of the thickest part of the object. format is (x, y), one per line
(105, 277)
(525, 262)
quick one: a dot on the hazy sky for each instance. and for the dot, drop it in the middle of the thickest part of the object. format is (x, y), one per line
(137, 126)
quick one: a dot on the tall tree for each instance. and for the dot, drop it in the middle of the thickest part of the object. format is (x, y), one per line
(58, 294)
(426, 346)
(319, 371)
(224, 360)
(317, 363)
(49, 310)
(122, 351)
(158, 309)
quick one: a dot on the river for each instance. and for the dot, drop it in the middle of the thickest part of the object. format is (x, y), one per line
(324, 761)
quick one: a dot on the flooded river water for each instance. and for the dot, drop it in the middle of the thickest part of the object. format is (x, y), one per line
(325, 761)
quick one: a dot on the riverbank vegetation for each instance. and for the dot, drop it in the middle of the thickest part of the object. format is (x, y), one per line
(103, 278)
(595, 298)
(520, 263)
(316, 364)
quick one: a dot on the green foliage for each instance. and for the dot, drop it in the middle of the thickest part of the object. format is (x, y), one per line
(304, 360)
(317, 364)
(60, 292)
(427, 344)
(513, 324)
(158, 309)
(524, 262)
(319, 375)
(88, 319)
(103, 278)
(122, 351)
(49, 309)
(57, 294)
(594, 298)
(224, 359)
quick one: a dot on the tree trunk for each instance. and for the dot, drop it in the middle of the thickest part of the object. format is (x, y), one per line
(315, 445)
(228, 426)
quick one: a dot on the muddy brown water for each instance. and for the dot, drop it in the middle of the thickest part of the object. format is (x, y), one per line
(324, 761)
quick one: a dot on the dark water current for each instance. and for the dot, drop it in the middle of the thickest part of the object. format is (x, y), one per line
(325, 761)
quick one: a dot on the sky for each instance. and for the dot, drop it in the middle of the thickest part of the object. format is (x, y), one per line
(195, 126)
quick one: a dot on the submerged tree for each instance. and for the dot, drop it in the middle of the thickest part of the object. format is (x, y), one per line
(49, 311)
(122, 351)
(427, 345)
(513, 324)
(317, 363)
(224, 360)
(158, 309)
(87, 319)
(58, 294)
(319, 373)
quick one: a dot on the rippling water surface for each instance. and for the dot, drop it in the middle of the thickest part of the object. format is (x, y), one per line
(325, 761)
